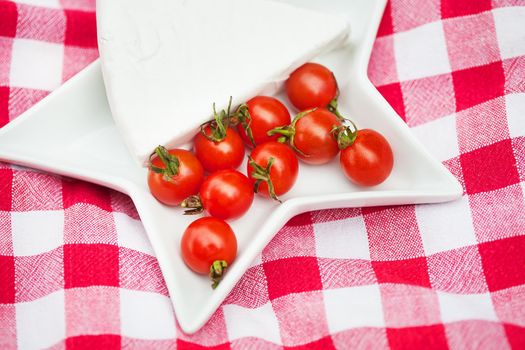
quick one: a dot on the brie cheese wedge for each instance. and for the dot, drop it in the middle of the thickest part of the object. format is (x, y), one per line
(165, 62)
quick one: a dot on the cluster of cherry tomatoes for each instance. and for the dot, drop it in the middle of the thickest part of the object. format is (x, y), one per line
(315, 135)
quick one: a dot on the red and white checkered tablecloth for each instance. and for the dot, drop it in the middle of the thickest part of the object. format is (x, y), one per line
(77, 271)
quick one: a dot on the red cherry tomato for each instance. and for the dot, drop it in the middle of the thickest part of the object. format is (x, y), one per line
(314, 137)
(226, 194)
(262, 113)
(208, 246)
(274, 167)
(174, 175)
(227, 153)
(369, 160)
(311, 85)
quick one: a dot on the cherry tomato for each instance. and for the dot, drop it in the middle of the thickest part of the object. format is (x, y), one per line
(225, 153)
(314, 137)
(225, 194)
(208, 246)
(261, 114)
(174, 175)
(369, 160)
(273, 167)
(311, 85)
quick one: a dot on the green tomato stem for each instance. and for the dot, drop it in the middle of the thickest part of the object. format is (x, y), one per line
(217, 270)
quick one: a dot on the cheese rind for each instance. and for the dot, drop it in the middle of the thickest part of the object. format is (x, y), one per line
(165, 62)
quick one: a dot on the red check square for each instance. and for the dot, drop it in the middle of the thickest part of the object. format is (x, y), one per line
(304, 269)
(74, 191)
(410, 271)
(503, 262)
(394, 95)
(9, 19)
(478, 84)
(386, 27)
(515, 336)
(424, 337)
(489, 168)
(81, 28)
(103, 341)
(4, 105)
(454, 8)
(6, 189)
(90, 264)
(7, 287)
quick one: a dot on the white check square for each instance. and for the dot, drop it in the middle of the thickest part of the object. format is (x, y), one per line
(445, 226)
(515, 105)
(344, 239)
(41, 323)
(421, 52)
(510, 29)
(244, 322)
(37, 232)
(353, 307)
(461, 307)
(439, 137)
(131, 233)
(44, 3)
(146, 315)
(36, 64)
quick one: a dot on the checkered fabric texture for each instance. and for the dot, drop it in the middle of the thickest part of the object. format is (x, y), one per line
(77, 271)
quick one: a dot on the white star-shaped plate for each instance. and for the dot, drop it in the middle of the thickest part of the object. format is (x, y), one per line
(71, 133)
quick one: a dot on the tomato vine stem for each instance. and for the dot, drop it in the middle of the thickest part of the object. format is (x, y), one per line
(242, 115)
(217, 269)
(261, 174)
(218, 125)
(171, 163)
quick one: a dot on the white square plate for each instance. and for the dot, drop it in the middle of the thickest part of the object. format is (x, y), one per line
(71, 133)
